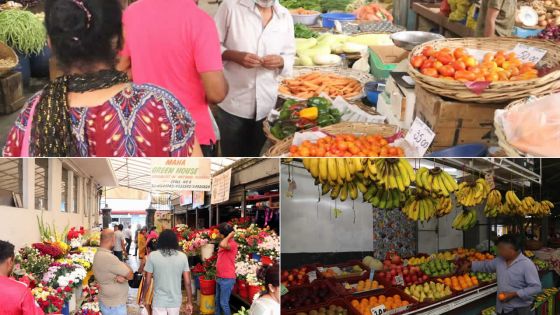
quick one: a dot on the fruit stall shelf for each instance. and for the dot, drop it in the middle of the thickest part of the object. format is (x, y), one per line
(300, 292)
(337, 301)
(387, 292)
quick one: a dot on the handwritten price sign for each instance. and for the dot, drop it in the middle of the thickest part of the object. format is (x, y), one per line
(378, 310)
(527, 53)
(420, 136)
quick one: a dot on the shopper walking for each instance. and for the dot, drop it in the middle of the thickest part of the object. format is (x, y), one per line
(112, 276)
(128, 239)
(496, 18)
(269, 301)
(119, 245)
(174, 44)
(166, 266)
(93, 109)
(258, 45)
(136, 233)
(16, 298)
(225, 269)
(518, 278)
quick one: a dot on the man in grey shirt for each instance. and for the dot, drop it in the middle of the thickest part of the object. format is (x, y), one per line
(518, 278)
(119, 242)
(112, 276)
(166, 266)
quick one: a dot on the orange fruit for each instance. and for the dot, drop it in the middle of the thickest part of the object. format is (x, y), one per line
(501, 296)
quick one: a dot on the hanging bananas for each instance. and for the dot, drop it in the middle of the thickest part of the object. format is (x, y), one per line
(341, 177)
(465, 220)
(436, 181)
(419, 206)
(390, 173)
(472, 193)
(382, 198)
(493, 204)
(444, 206)
(542, 208)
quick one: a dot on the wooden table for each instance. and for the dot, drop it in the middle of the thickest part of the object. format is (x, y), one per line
(431, 13)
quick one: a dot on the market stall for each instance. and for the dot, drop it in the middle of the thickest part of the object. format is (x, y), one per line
(393, 235)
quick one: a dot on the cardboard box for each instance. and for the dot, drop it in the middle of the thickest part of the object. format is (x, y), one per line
(11, 92)
(390, 54)
(456, 122)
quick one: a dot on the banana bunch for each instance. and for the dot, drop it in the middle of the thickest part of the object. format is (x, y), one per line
(390, 173)
(541, 208)
(443, 206)
(333, 170)
(527, 206)
(493, 204)
(472, 193)
(436, 181)
(465, 220)
(340, 191)
(512, 201)
(382, 198)
(420, 206)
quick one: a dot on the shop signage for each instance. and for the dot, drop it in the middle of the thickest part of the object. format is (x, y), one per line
(220, 187)
(196, 198)
(420, 136)
(181, 174)
(378, 310)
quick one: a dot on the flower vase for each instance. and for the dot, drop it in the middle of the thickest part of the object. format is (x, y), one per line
(256, 257)
(72, 304)
(253, 290)
(77, 297)
(207, 287)
(206, 251)
(66, 309)
(242, 287)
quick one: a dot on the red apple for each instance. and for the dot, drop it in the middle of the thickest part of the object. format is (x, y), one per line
(382, 274)
(405, 272)
(425, 277)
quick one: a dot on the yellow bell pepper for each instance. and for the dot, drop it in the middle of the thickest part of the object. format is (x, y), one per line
(310, 113)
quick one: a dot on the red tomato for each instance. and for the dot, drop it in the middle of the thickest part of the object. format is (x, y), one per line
(428, 51)
(447, 71)
(465, 76)
(444, 58)
(417, 61)
(431, 72)
(459, 65)
(459, 52)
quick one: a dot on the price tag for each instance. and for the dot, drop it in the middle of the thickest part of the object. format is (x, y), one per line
(527, 53)
(420, 136)
(399, 280)
(378, 310)
(312, 275)
(371, 274)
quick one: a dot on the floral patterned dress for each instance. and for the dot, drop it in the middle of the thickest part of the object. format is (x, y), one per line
(141, 120)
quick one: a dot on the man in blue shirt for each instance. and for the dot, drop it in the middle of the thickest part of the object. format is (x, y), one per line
(518, 278)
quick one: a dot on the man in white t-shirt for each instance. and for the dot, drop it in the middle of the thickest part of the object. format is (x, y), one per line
(119, 242)
(128, 239)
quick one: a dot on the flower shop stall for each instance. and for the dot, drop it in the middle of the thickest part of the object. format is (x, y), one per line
(58, 270)
(256, 247)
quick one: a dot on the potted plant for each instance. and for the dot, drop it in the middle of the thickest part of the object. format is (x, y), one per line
(24, 32)
(208, 280)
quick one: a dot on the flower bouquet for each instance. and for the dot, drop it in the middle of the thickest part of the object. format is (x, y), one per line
(31, 263)
(245, 266)
(241, 223)
(254, 286)
(48, 249)
(270, 246)
(49, 299)
(65, 276)
(208, 279)
(74, 234)
(89, 308)
(90, 292)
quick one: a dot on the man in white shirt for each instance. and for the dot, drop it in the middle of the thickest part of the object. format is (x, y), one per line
(119, 245)
(258, 45)
(128, 239)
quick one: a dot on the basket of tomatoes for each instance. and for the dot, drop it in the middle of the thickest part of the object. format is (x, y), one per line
(483, 70)
(344, 139)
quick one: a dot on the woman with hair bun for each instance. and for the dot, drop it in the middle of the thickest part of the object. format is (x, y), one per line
(93, 109)
(269, 301)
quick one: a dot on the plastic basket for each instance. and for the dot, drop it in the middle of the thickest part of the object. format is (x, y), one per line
(379, 70)
(525, 32)
(332, 293)
(338, 302)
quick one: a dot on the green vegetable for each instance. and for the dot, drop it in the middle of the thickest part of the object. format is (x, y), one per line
(22, 31)
(276, 130)
(284, 114)
(288, 103)
(318, 101)
(306, 4)
(302, 31)
(334, 5)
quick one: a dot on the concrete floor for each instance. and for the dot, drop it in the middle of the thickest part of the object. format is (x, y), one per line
(7, 121)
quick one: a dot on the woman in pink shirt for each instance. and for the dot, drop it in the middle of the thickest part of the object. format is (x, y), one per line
(175, 45)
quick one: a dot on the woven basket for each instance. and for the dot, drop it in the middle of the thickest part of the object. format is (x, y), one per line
(267, 133)
(283, 146)
(497, 92)
(7, 53)
(500, 132)
(361, 76)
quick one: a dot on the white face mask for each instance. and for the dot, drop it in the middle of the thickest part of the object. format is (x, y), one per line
(265, 3)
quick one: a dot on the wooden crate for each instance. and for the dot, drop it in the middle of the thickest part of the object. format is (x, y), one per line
(455, 122)
(11, 92)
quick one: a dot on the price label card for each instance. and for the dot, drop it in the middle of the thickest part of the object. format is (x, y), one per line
(378, 310)
(528, 53)
(420, 136)
(312, 275)
(399, 280)
(371, 274)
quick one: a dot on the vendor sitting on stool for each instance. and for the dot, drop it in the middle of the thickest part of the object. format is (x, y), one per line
(496, 18)
(518, 279)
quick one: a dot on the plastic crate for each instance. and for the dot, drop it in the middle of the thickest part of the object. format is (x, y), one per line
(309, 268)
(297, 292)
(353, 278)
(338, 302)
(387, 292)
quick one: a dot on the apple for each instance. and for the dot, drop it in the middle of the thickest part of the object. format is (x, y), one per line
(425, 277)
(382, 274)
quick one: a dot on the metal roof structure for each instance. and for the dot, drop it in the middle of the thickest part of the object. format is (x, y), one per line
(136, 172)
